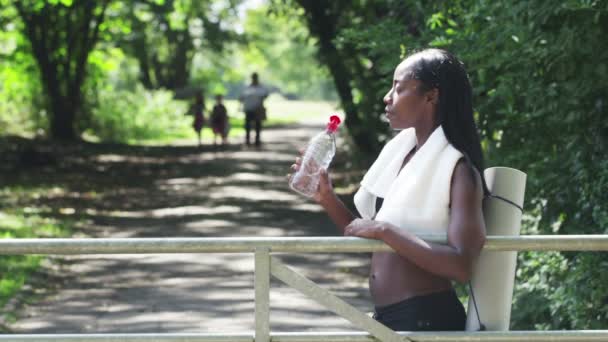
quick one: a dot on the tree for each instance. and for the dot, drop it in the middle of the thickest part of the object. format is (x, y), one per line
(62, 34)
(540, 85)
(165, 35)
(361, 62)
(281, 50)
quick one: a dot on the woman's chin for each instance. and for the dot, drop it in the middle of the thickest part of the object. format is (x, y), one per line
(389, 119)
(397, 126)
(391, 122)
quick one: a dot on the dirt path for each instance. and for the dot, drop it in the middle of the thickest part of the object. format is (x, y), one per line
(179, 191)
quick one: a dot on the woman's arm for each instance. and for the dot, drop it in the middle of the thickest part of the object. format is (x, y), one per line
(326, 197)
(466, 231)
(335, 208)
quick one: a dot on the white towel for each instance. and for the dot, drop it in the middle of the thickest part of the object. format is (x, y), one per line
(417, 198)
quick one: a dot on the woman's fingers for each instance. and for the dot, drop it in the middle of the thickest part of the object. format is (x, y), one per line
(324, 182)
(295, 167)
(324, 175)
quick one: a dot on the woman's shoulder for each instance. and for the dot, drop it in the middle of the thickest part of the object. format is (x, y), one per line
(466, 182)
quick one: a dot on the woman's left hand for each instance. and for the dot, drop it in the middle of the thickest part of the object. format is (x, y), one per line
(369, 229)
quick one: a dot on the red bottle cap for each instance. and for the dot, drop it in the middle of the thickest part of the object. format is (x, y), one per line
(334, 122)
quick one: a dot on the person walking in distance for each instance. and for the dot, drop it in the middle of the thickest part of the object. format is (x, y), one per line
(197, 109)
(219, 120)
(252, 99)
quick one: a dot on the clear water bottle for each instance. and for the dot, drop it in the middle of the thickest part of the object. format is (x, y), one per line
(319, 153)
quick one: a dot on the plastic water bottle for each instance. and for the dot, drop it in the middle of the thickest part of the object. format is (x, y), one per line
(319, 153)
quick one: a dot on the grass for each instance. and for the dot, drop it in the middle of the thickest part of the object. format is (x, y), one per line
(24, 222)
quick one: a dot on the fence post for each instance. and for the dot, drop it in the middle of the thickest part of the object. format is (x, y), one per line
(494, 275)
(262, 294)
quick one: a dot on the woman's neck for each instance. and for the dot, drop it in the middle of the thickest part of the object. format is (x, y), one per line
(423, 133)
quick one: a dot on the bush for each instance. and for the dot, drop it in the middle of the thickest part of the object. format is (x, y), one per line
(124, 116)
(21, 99)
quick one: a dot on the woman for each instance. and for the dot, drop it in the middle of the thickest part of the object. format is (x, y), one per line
(427, 180)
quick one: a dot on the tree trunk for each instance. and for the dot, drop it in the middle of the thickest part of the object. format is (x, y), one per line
(62, 36)
(140, 52)
(322, 24)
(181, 61)
(62, 121)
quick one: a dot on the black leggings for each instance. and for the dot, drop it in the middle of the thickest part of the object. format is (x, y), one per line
(441, 311)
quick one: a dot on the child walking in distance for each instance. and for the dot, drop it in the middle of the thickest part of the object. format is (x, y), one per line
(198, 111)
(219, 120)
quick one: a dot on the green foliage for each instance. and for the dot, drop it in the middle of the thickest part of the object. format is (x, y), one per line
(353, 38)
(548, 107)
(538, 277)
(539, 76)
(542, 110)
(165, 36)
(119, 109)
(61, 34)
(215, 73)
(282, 51)
(375, 63)
(124, 116)
(538, 69)
(21, 100)
(14, 270)
(557, 292)
(23, 223)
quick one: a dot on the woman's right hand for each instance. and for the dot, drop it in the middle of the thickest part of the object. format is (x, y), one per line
(325, 189)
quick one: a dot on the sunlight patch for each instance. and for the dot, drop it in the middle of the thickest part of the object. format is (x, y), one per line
(165, 212)
(307, 207)
(252, 194)
(254, 177)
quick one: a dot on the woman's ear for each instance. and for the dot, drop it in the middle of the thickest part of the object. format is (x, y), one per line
(432, 96)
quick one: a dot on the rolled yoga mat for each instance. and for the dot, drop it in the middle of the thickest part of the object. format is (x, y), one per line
(494, 274)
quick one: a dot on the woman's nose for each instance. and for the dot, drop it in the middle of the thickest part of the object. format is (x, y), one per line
(387, 98)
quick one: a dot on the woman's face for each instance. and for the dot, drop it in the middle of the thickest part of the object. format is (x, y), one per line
(406, 105)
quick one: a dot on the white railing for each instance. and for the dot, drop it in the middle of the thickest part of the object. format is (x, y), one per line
(267, 265)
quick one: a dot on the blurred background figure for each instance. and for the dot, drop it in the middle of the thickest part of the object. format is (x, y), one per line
(219, 120)
(253, 105)
(198, 111)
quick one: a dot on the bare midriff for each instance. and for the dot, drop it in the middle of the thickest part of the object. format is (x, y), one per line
(393, 279)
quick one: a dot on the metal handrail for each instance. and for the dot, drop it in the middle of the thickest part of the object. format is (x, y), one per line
(282, 244)
(489, 336)
(262, 247)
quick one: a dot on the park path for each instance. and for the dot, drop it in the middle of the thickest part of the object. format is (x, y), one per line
(180, 191)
